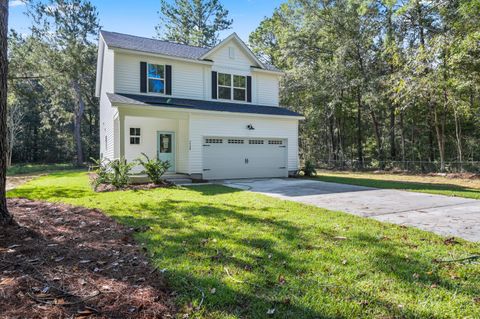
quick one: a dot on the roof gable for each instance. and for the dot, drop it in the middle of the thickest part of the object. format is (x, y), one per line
(235, 39)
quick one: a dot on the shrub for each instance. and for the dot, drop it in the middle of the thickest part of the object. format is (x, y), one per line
(309, 169)
(115, 173)
(101, 173)
(119, 170)
(154, 168)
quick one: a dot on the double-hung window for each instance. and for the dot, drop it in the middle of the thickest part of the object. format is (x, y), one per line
(232, 87)
(135, 135)
(156, 78)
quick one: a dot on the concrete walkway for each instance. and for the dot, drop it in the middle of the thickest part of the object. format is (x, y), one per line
(448, 216)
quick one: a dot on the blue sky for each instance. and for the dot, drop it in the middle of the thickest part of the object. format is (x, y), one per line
(140, 17)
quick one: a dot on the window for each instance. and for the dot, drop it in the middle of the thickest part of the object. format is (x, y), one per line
(214, 141)
(134, 135)
(224, 86)
(232, 87)
(255, 142)
(275, 142)
(235, 141)
(156, 78)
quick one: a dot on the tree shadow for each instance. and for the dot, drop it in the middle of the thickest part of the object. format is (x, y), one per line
(45, 193)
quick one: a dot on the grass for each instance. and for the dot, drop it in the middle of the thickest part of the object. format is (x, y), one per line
(458, 187)
(19, 169)
(248, 254)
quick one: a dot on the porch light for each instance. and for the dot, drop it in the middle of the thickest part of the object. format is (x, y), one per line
(250, 127)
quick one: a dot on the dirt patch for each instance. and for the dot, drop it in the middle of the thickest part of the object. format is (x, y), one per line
(17, 180)
(63, 261)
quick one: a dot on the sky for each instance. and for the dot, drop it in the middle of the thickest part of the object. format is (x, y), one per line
(140, 17)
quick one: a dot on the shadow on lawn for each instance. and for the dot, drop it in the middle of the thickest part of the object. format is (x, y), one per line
(212, 190)
(402, 185)
(46, 193)
(182, 238)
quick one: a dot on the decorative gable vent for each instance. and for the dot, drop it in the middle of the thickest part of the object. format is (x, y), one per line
(231, 52)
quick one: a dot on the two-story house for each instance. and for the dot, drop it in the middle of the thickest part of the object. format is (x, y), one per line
(212, 112)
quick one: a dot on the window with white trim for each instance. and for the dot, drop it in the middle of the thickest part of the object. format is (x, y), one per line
(235, 141)
(156, 78)
(214, 141)
(232, 87)
(275, 142)
(135, 135)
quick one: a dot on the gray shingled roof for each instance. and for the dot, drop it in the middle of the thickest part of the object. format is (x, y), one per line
(136, 99)
(131, 42)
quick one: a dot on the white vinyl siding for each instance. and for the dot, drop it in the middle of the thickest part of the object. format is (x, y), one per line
(187, 78)
(202, 126)
(240, 61)
(266, 89)
(107, 112)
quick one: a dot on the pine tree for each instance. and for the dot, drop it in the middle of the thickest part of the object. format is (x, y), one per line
(193, 22)
(5, 217)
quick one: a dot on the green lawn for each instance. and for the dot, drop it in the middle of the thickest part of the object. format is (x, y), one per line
(249, 253)
(37, 168)
(421, 184)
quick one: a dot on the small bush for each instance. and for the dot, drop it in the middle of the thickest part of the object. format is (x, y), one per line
(309, 169)
(115, 173)
(101, 173)
(120, 170)
(154, 168)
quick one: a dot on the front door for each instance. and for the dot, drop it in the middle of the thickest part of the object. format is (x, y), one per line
(166, 148)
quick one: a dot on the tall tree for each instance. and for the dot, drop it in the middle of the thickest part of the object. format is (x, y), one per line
(69, 27)
(364, 72)
(193, 22)
(5, 217)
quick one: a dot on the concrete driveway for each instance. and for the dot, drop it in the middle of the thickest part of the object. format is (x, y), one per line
(448, 216)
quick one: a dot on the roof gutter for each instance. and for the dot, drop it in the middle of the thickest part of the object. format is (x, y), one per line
(190, 110)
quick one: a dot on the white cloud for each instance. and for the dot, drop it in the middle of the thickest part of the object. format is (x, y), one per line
(16, 3)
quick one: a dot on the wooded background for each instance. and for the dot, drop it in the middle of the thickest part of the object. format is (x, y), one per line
(382, 84)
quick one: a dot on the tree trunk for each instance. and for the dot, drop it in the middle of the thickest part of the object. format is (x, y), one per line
(378, 138)
(440, 137)
(458, 136)
(5, 217)
(77, 122)
(393, 147)
(359, 131)
(402, 131)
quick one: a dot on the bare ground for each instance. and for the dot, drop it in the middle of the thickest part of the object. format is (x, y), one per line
(69, 262)
(17, 180)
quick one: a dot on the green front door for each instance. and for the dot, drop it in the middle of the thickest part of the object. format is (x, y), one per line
(166, 148)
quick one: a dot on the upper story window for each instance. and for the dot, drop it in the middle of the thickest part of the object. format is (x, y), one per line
(156, 78)
(232, 87)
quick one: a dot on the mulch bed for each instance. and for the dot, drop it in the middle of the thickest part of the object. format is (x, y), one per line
(70, 262)
(136, 187)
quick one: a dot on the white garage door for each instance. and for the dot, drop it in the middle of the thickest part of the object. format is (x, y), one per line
(227, 157)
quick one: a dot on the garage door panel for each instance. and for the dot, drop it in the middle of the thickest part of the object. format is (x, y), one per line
(226, 157)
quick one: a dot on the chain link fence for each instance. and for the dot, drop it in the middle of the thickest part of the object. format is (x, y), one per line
(409, 166)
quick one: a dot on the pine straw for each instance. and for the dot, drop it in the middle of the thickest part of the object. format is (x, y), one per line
(63, 261)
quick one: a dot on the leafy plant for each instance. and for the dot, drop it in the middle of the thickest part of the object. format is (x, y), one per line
(309, 169)
(119, 170)
(114, 172)
(154, 168)
(101, 172)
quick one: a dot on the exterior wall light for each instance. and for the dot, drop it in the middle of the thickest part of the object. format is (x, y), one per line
(250, 127)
